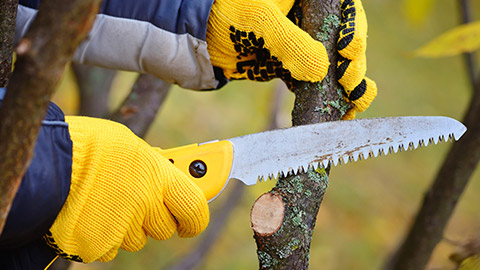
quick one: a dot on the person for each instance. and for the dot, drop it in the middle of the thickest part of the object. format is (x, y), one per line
(94, 187)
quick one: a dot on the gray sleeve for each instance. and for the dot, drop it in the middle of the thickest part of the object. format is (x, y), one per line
(134, 45)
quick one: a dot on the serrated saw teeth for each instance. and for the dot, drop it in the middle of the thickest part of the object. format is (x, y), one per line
(374, 151)
(325, 163)
(421, 143)
(415, 145)
(411, 146)
(340, 161)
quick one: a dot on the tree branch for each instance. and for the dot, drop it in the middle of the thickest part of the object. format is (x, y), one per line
(142, 104)
(284, 218)
(42, 55)
(442, 197)
(94, 85)
(470, 63)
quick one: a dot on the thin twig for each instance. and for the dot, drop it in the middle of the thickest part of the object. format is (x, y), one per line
(470, 62)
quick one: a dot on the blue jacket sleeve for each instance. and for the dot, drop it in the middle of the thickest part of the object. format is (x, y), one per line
(166, 38)
(42, 193)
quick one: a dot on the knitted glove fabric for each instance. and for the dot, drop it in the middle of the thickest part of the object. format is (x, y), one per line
(121, 191)
(352, 66)
(255, 40)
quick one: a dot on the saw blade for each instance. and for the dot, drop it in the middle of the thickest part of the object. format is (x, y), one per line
(289, 151)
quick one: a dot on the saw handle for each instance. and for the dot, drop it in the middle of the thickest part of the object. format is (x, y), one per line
(208, 165)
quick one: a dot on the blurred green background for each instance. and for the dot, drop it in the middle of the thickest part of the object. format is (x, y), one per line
(368, 205)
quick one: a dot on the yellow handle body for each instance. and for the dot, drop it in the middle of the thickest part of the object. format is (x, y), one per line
(217, 158)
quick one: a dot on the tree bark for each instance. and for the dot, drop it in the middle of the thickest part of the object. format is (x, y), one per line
(42, 55)
(8, 15)
(142, 104)
(284, 218)
(451, 180)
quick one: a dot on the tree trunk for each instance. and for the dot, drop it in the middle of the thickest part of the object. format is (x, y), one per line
(42, 55)
(284, 218)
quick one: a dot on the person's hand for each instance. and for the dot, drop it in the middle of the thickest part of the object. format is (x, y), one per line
(255, 40)
(352, 65)
(122, 190)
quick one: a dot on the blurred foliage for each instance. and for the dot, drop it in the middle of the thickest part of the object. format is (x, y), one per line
(369, 204)
(461, 39)
(417, 12)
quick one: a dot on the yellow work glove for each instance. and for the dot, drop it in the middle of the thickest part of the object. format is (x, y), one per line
(122, 190)
(352, 65)
(255, 40)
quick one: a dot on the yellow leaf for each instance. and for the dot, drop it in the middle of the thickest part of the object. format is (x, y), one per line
(417, 11)
(470, 263)
(463, 38)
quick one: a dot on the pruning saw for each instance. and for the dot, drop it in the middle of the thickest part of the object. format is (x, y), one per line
(260, 156)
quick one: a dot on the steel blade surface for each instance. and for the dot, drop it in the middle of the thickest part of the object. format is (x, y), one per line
(268, 154)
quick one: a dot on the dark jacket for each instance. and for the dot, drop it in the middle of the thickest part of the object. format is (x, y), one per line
(40, 197)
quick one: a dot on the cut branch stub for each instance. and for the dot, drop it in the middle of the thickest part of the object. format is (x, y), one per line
(267, 214)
